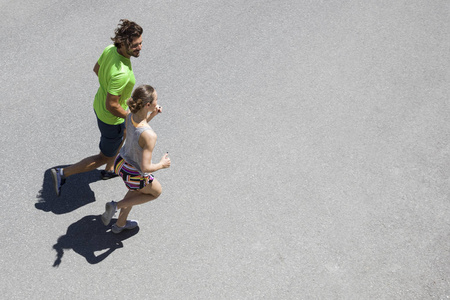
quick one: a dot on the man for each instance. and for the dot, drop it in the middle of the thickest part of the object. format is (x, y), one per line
(116, 79)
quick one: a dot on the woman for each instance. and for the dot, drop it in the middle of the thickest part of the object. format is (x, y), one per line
(134, 162)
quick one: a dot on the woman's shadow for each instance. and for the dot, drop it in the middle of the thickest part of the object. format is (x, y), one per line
(75, 193)
(88, 236)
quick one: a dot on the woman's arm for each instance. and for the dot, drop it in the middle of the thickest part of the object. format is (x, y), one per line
(147, 141)
(158, 110)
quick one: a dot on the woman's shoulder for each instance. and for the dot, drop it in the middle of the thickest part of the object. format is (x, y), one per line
(147, 138)
(147, 132)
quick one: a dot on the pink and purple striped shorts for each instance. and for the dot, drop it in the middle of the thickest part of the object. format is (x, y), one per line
(130, 175)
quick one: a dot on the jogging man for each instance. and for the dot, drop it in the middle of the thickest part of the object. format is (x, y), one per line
(117, 80)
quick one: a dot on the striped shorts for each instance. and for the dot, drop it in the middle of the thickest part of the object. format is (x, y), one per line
(130, 175)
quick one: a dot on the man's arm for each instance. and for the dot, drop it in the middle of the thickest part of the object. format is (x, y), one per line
(96, 68)
(113, 106)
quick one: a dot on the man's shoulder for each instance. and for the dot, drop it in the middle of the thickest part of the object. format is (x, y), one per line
(109, 52)
(109, 48)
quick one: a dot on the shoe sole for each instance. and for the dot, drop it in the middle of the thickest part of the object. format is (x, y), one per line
(106, 178)
(108, 214)
(55, 181)
(124, 228)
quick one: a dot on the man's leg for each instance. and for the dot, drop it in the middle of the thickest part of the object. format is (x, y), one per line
(110, 164)
(87, 164)
(111, 140)
(113, 144)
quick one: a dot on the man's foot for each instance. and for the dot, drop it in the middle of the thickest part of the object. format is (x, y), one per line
(128, 226)
(110, 210)
(58, 179)
(107, 174)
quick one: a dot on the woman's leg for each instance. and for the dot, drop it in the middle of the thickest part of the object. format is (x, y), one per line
(123, 216)
(150, 192)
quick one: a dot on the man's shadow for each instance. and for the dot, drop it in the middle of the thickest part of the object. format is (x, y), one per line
(88, 236)
(75, 193)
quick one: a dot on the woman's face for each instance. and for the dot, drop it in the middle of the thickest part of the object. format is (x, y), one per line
(155, 102)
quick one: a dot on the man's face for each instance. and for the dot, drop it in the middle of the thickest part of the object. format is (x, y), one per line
(135, 47)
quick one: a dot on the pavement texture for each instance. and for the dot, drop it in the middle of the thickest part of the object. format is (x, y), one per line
(309, 143)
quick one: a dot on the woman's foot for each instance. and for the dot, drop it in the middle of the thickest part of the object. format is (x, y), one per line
(110, 210)
(131, 224)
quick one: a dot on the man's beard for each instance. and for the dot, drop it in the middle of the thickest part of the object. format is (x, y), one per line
(133, 53)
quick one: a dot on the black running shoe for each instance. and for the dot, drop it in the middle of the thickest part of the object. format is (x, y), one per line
(107, 174)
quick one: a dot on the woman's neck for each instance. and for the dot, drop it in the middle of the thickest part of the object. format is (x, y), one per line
(139, 117)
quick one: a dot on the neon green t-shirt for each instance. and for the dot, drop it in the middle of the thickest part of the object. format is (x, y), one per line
(116, 77)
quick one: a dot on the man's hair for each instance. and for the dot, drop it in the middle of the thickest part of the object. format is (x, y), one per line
(126, 32)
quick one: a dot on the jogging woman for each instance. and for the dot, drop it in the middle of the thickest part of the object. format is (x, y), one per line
(134, 162)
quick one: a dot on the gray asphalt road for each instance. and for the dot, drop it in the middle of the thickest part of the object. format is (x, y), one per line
(309, 145)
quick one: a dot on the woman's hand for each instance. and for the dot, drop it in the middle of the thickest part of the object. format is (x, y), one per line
(157, 110)
(165, 161)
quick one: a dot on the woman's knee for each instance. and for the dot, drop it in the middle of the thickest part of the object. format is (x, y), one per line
(152, 193)
(154, 189)
(157, 192)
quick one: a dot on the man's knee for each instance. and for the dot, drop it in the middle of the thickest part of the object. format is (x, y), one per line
(102, 158)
